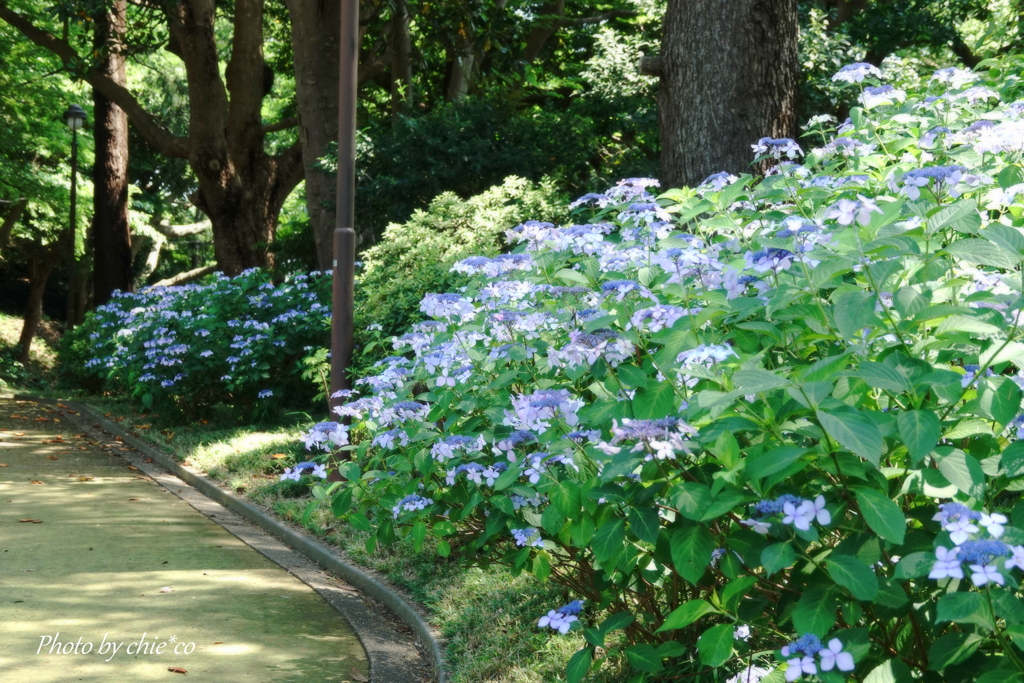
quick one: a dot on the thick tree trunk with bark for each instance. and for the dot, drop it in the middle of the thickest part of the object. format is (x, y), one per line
(14, 210)
(315, 27)
(112, 241)
(241, 186)
(41, 267)
(401, 57)
(729, 77)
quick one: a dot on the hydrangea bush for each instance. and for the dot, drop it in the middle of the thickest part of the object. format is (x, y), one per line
(238, 341)
(766, 428)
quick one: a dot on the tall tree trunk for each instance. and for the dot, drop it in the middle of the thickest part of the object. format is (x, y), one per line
(729, 77)
(42, 265)
(14, 211)
(401, 63)
(241, 186)
(315, 27)
(112, 245)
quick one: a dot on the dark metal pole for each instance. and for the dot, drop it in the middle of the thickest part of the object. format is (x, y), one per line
(70, 321)
(344, 232)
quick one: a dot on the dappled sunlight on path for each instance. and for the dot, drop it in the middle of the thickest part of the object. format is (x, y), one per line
(109, 560)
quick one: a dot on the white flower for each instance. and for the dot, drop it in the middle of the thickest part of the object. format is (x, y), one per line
(741, 633)
(800, 665)
(833, 656)
(993, 523)
(947, 565)
(1018, 558)
(760, 527)
(983, 573)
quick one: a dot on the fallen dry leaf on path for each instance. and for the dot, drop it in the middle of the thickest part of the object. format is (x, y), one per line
(86, 478)
(167, 589)
(279, 456)
(133, 499)
(52, 457)
(31, 521)
(35, 482)
(177, 670)
(2, 465)
(356, 676)
(42, 419)
(133, 468)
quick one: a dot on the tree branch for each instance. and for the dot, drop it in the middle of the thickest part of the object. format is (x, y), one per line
(152, 130)
(283, 124)
(187, 276)
(183, 230)
(596, 19)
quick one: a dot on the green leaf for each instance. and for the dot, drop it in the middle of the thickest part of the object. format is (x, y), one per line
(883, 377)
(999, 399)
(855, 431)
(655, 402)
(815, 612)
(645, 524)
(691, 551)
(1013, 459)
(631, 376)
(962, 216)
(1007, 237)
(965, 608)
(735, 590)
(757, 381)
(853, 311)
(890, 671)
(914, 566)
(1003, 353)
(644, 658)
(691, 499)
(686, 614)
(773, 461)
(507, 478)
(971, 325)
(616, 622)
(715, 645)
(981, 253)
(565, 495)
(608, 540)
(777, 556)
(953, 648)
(962, 471)
(826, 368)
(853, 575)
(579, 665)
(920, 431)
(881, 514)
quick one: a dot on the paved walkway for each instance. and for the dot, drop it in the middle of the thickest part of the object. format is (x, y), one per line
(107, 577)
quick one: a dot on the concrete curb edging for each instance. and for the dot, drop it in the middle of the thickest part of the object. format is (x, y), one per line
(301, 542)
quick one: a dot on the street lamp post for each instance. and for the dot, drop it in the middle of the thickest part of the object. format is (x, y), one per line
(343, 284)
(75, 118)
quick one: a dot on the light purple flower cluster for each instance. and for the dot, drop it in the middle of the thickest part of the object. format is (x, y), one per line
(561, 619)
(295, 473)
(801, 654)
(857, 72)
(450, 446)
(326, 436)
(777, 148)
(411, 503)
(536, 411)
(795, 511)
(528, 537)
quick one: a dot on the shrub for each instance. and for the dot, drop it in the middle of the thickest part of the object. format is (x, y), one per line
(416, 257)
(237, 341)
(754, 425)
